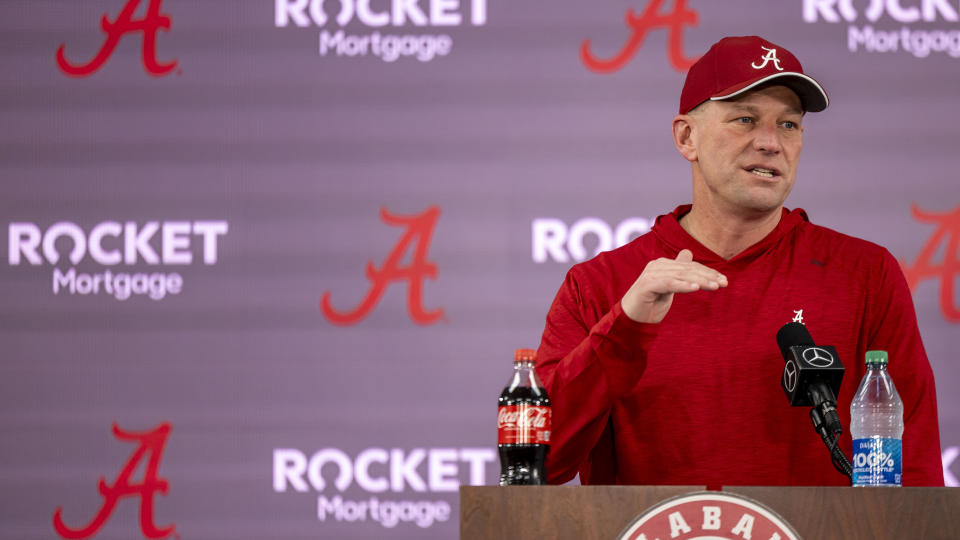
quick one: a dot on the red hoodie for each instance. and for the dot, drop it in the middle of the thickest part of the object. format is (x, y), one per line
(696, 399)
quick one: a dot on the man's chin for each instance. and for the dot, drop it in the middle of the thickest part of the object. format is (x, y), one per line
(759, 209)
(764, 201)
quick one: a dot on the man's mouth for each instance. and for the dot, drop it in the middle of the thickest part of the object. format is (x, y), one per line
(763, 173)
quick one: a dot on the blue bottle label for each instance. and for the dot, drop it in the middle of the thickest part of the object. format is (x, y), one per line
(877, 462)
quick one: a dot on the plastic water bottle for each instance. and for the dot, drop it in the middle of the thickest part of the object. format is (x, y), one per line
(876, 423)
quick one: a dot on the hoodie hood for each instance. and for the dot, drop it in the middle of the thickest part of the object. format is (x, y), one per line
(668, 230)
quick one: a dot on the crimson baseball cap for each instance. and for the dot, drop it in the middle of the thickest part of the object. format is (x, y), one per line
(735, 65)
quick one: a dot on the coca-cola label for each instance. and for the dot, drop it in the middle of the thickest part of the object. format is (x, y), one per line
(523, 424)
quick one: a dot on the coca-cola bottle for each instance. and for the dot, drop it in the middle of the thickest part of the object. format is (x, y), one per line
(523, 425)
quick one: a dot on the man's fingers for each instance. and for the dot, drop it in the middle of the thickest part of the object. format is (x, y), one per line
(677, 285)
(691, 272)
(685, 262)
(651, 295)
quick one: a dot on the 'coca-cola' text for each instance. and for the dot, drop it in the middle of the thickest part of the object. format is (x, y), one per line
(523, 424)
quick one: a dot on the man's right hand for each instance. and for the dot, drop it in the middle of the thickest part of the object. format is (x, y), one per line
(650, 296)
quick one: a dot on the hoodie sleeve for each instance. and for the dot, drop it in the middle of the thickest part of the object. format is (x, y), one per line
(894, 329)
(587, 364)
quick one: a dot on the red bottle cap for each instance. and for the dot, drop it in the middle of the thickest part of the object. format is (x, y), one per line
(524, 355)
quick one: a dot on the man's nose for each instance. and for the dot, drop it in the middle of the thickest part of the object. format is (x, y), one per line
(767, 138)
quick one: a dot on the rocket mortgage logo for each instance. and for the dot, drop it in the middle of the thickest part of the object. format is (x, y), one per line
(919, 28)
(384, 30)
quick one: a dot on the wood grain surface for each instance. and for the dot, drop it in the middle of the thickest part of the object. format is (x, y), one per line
(602, 512)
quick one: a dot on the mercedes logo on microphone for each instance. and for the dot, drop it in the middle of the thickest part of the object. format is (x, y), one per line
(790, 376)
(817, 357)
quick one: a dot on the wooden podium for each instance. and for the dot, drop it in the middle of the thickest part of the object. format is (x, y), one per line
(816, 513)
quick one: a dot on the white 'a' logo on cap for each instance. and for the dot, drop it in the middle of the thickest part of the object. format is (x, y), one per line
(771, 56)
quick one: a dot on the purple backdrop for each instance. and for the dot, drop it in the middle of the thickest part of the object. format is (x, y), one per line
(289, 246)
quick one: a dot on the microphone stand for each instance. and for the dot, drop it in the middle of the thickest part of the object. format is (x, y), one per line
(826, 422)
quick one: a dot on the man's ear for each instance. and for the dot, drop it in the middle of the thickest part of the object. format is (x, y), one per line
(684, 127)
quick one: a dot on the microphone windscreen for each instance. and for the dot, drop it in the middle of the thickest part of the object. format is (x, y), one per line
(791, 334)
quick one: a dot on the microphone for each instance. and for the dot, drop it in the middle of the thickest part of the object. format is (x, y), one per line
(812, 374)
(811, 378)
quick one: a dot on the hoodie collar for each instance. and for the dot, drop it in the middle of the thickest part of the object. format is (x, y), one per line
(668, 230)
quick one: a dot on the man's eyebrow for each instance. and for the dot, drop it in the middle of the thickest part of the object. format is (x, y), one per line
(744, 107)
(753, 110)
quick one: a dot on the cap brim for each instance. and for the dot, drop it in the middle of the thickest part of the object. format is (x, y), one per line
(812, 96)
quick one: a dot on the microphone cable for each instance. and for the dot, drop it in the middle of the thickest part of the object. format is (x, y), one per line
(831, 440)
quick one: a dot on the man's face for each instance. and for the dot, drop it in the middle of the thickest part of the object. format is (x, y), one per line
(747, 151)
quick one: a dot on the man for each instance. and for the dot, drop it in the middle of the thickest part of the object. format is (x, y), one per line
(660, 357)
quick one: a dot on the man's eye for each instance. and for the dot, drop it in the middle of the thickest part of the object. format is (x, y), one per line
(790, 125)
(744, 120)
